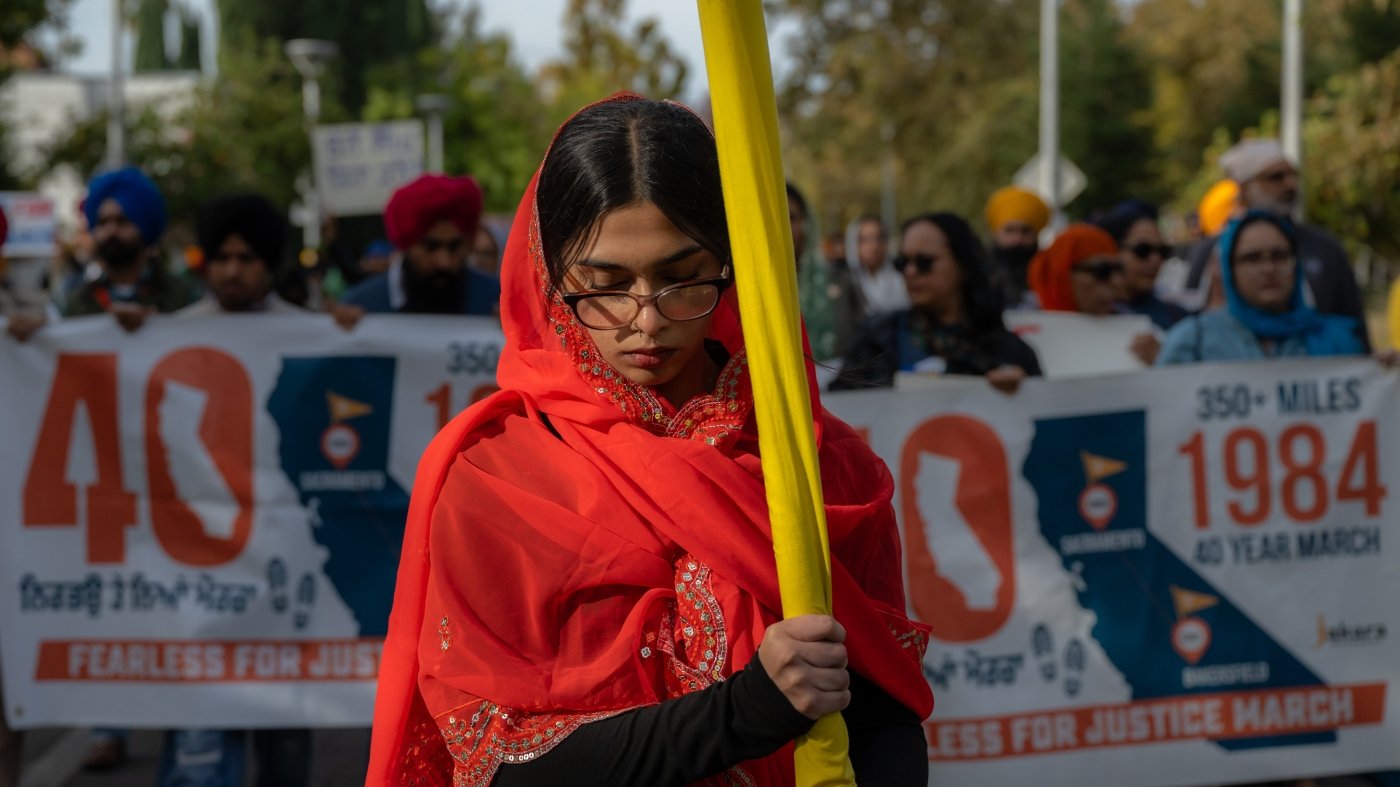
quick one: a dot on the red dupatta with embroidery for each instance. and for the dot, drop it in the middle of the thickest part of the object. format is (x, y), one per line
(577, 547)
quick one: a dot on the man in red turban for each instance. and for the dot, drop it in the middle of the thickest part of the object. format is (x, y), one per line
(432, 222)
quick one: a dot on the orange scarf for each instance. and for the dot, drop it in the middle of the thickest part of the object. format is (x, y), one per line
(576, 547)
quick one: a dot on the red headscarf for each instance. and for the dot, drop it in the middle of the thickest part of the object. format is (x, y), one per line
(1050, 270)
(417, 206)
(602, 551)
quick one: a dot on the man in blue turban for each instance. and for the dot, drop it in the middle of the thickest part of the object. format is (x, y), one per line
(126, 216)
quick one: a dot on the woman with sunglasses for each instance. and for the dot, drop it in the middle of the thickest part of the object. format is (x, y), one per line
(1133, 226)
(1265, 314)
(954, 325)
(1080, 272)
(587, 593)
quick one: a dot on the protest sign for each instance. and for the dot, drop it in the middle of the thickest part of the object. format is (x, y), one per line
(359, 165)
(202, 528)
(32, 225)
(1152, 579)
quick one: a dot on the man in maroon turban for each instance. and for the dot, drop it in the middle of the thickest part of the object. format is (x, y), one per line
(432, 222)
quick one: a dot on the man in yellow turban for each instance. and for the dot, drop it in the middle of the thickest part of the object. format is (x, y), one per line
(1015, 218)
(1218, 206)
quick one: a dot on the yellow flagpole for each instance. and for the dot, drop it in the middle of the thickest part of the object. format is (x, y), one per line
(755, 200)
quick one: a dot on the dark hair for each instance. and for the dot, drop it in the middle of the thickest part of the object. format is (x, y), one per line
(1119, 221)
(796, 196)
(624, 152)
(982, 300)
(251, 217)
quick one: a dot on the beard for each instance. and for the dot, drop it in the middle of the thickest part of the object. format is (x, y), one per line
(433, 293)
(1016, 262)
(119, 255)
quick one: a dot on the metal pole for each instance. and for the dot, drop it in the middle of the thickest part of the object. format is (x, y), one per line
(1050, 179)
(888, 207)
(1292, 99)
(116, 94)
(311, 102)
(435, 142)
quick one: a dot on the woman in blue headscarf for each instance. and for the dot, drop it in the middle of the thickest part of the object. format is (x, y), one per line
(1265, 314)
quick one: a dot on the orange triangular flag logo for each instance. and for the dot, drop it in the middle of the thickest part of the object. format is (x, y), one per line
(1189, 601)
(344, 408)
(1097, 468)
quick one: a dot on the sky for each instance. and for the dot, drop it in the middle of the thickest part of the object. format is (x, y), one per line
(535, 25)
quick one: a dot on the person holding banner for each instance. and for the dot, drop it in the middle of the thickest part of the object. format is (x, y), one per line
(588, 592)
(433, 222)
(1266, 314)
(955, 325)
(126, 213)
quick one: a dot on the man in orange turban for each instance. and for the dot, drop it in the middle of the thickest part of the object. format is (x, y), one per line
(432, 222)
(1218, 206)
(1015, 217)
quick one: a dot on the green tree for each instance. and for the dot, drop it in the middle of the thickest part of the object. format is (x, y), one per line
(947, 88)
(495, 127)
(243, 132)
(151, 54)
(603, 55)
(191, 56)
(1214, 64)
(1352, 157)
(371, 34)
(1105, 94)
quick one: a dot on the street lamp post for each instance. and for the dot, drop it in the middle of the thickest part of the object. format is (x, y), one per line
(433, 105)
(311, 57)
(116, 94)
(1050, 175)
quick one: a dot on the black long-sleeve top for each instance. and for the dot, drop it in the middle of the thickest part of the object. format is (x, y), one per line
(702, 734)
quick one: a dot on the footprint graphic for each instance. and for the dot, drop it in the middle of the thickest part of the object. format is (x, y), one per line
(1074, 668)
(1043, 646)
(306, 599)
(277, 584)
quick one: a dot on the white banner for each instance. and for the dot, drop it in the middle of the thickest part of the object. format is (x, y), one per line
(202, 524)
(33, 225)
(1078, 345)
(359, 165)
(1176, 577)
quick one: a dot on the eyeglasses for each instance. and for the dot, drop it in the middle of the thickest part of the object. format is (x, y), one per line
(1256, 258)
(922, 263)
(1101, 271)
(1144, 250)
(682, 302)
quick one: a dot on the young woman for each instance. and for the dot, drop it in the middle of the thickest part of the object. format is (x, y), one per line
(1133, 226)
(587, 593)
(955, 325)
(1265, 314)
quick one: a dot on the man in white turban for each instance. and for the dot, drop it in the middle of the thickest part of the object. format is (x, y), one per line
(1268, 181)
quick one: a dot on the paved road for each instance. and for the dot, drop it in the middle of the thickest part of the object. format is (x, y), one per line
(339, 759)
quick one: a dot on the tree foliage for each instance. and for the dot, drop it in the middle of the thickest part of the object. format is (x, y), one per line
(603, 55)
(1352, 135)
(244, 132)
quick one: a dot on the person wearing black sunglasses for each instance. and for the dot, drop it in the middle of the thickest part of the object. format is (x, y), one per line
(1133, 225)
(432, 221)
(954, 325)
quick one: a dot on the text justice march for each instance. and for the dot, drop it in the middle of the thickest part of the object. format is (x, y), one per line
(1140, 576)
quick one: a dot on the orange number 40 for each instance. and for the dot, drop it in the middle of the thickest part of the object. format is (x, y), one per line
(226, 429)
